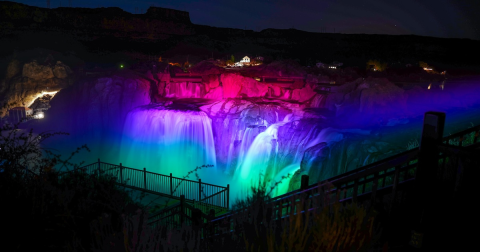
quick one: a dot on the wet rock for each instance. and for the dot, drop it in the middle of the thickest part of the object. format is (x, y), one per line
(303, 94)
(253, 88)
(232, 84)
(215, 93)
(275, 91)
(211, 81)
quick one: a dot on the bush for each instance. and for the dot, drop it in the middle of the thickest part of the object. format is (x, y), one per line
(48, 212)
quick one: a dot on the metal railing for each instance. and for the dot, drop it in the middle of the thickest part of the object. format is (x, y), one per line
(364, 183)
(203, 195)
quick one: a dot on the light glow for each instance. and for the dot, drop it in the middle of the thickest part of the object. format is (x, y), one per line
(39, 115)
(40, 95)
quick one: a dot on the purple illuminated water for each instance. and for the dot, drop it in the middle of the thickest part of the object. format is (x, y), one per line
(167, 140)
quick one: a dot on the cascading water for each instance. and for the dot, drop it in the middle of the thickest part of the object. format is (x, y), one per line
(185, 90)
(318, 101)
(328, 135)
(167, 141)
(256, 163)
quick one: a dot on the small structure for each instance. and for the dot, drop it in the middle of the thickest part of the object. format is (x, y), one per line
(18, 114)
(245, 59)
(335, 65)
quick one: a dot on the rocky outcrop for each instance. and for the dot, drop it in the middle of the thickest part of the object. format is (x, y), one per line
(303, 94)
(232, 84)
(35, 71)
(215, 93)
(371, 100)
(253, 88)
(94, 110)
(13, 69)
(324, 162)
(61, 70)
(22, 90)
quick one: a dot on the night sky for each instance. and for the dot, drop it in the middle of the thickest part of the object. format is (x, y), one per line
(436, 18)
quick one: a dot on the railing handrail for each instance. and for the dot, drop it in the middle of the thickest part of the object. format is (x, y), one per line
(370, 168)
(218, 189)
(167, 176)
(461, 133)
(361, 172)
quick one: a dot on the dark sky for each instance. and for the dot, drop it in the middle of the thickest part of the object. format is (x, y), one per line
(436, 18)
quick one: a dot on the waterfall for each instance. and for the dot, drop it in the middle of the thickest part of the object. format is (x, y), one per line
(257, 160)
(167, 141)
(328, 135)
(185, 90)
(318, 101)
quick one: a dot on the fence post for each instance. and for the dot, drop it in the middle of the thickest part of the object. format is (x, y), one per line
(121, 176)
(210, 232)
(304, 182)
(228, 195)
(182, 208)
(200, 190)
(145, 178)
(432, 134)
(374, 189)
(171, 185)
(394, 189)
(99, 167)
(303, 186)
(355, 191)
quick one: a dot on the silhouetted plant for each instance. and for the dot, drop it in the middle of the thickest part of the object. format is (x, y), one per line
(52, 210)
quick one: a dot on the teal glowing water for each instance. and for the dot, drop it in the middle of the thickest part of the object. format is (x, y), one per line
(168, 141)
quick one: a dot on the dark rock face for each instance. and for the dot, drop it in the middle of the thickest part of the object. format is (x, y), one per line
(112, 21)
(168, 14)
(22, 90)
(94, 110)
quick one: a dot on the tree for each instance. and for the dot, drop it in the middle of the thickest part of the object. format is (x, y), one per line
(232, 58)
(54, 209)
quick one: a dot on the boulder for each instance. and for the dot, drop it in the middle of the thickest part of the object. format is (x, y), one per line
(276, 91)
(303, 94)
(253, 88)
(232, 84)
(210, 81)
(215, 93)
(35, 71)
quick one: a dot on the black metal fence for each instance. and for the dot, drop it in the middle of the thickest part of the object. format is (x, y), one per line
(363, 184)
(202, 195)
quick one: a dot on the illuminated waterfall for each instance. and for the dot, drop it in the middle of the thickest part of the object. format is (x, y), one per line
(254, 168)
(167, 141)
(328, 135)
